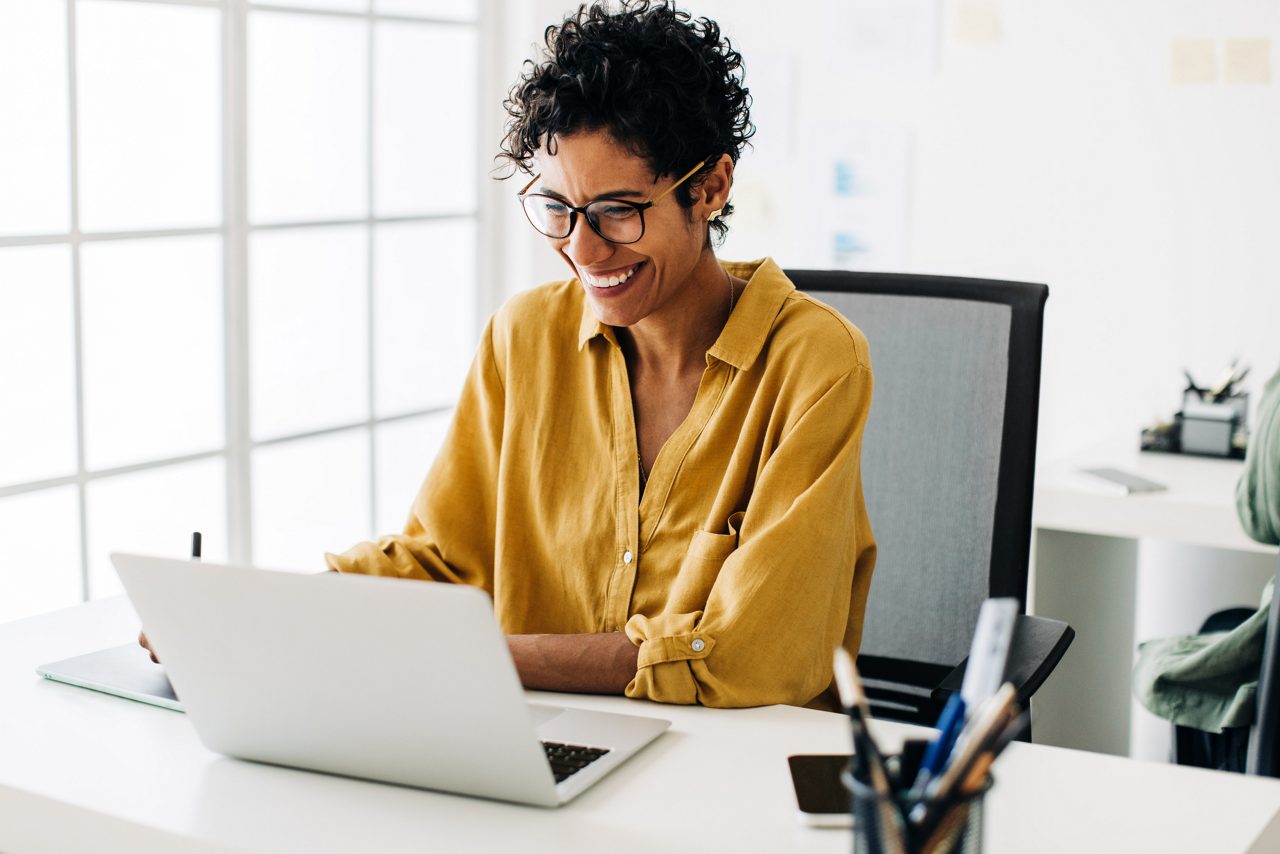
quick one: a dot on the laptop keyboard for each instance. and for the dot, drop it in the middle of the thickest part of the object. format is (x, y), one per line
(568, 759)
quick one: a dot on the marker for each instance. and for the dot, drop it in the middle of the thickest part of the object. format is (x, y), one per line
(988, 724)
(989, 653)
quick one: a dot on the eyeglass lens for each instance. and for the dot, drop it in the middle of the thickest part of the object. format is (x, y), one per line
(615, 222)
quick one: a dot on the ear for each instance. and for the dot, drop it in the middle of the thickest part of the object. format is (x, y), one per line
(712, 193)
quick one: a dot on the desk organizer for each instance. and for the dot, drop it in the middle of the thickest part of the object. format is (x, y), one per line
(1203, 428)
(883, 825)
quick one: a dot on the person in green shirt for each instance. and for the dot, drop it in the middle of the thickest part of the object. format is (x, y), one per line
(1208, 682)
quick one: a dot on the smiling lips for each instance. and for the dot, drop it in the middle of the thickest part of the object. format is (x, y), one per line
(610, 281)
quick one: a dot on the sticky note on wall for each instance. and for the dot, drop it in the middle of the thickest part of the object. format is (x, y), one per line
(1192, 62)
(977, 22)
(1246, 61)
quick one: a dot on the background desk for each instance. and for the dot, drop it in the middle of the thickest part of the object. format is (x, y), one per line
(1122, 569)
(84, 771)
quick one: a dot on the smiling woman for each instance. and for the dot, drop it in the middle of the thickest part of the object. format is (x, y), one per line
(654, 467)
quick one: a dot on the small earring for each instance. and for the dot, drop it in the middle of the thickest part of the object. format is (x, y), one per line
(715, 214)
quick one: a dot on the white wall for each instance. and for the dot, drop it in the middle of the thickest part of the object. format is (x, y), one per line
(1060, 153)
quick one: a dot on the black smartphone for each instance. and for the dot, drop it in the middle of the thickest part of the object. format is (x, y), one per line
(821, 797)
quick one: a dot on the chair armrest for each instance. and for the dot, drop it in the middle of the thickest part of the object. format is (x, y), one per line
(1038, 645)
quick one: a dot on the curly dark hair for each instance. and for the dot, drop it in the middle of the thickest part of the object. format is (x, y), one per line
(666, 86)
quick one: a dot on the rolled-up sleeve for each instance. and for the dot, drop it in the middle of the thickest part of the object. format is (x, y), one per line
(458, 498)
(794, 587)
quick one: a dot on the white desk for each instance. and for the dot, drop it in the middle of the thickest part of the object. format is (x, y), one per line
(1198, 507)
(84, 771)
(1122, 569)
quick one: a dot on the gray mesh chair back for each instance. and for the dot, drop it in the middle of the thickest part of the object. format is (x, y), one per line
(948, 462)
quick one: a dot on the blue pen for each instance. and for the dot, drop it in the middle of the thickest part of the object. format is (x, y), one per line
(950, 722)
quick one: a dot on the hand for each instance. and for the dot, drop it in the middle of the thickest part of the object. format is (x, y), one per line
(146, 644)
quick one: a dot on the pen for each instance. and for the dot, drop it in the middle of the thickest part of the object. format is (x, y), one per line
(866, 754)
(973, 780)
(949, 725)
(984, 730)
(1224, 382)
(1230, 388)
(1192, 385)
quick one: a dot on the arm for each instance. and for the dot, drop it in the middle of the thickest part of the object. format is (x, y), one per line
(584, 663)
(1258, 491)
(781, 600)
(450, 533)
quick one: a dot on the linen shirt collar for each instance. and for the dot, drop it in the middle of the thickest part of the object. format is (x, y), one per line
(754, 311)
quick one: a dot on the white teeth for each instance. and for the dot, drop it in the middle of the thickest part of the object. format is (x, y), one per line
(610, 281)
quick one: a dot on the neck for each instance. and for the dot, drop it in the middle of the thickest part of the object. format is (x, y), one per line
(678, 340)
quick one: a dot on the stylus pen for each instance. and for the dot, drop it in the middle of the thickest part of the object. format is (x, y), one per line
(195, 545)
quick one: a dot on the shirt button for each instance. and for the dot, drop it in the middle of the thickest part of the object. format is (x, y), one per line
(626, 556)
(698, 645)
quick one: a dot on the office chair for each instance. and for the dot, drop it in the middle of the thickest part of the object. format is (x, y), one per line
(948, 464)
(1246, 749)
(1264, 738)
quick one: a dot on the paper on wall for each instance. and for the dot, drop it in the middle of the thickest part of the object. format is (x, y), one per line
(859, 185)
(892, 38)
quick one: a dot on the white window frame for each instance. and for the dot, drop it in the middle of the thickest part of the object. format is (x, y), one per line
(235, 231)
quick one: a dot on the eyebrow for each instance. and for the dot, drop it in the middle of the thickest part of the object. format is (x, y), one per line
(612, 194)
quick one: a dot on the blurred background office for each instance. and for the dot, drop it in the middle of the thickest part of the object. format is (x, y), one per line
(246, 248)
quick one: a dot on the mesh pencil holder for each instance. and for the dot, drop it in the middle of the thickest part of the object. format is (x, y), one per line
(882, 824)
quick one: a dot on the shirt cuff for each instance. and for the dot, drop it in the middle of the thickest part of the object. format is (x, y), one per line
(384, 557)
(668, 644)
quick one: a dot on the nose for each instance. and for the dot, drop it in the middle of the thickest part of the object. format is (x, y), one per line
(584, 247)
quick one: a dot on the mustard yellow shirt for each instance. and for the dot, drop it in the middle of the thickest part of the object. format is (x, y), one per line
(749, 556)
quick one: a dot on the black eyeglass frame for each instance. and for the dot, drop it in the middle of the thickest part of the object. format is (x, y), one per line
(638, 207)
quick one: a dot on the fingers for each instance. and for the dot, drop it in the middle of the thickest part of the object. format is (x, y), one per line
(146, 644)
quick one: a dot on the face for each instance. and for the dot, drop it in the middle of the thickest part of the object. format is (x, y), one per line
(624, 283)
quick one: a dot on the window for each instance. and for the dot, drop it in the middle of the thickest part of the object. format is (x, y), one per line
(239, 278)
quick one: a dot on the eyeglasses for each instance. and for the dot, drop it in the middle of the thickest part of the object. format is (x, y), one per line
(616, 220)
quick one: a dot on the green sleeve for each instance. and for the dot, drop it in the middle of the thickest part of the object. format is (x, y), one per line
(1258, 492)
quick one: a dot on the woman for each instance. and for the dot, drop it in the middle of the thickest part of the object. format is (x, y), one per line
(653, 467)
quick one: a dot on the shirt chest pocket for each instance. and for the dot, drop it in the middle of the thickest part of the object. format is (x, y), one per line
(701, 567)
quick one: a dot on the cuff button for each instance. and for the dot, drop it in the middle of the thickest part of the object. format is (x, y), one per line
(698, 645)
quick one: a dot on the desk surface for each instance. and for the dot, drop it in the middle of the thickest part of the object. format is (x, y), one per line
(1197, 508)
(84, 771)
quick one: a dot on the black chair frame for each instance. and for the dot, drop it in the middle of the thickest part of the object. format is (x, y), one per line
(922, 687)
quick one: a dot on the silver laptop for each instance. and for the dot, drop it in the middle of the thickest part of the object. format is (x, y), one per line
(384, 679)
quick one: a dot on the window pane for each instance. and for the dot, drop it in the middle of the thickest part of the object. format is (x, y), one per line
(405, 450)
(308, 329)
(447, 10)
(310, 497)
(424, 132)
(149, 92)
(154, 512)
(35, 166)
(425, 310)
(39, 552)
(337, 5)
(152, 326)
(308, 114)
(37, 364)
